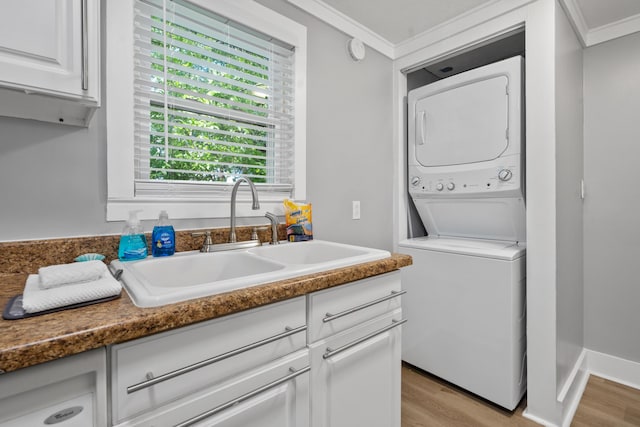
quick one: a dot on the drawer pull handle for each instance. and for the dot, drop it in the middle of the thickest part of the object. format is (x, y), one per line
(244, 397)
(329, 317)
(332, 352)
(173, 374)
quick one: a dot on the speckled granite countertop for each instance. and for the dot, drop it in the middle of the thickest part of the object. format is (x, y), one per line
(39, 339)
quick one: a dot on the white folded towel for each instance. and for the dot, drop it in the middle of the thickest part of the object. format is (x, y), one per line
(36, 299)
(66, 274)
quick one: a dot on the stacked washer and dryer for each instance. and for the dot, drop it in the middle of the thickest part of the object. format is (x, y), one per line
(466, 308)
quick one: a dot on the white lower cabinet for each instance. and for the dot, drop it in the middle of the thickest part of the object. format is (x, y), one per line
(358, 385)
(223, 372)
(281, 401)
(274, 395)
(69, 392)
(355, 373)
(330, 359)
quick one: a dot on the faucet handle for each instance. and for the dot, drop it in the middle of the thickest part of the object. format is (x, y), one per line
(206, 234)
(254, 232)
(274, 227)
(207, 239)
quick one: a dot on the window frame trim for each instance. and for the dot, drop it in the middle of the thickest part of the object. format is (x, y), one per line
(121, 196)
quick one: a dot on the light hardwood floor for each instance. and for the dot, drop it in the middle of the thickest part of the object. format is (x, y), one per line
(428, 401)
(606, 403)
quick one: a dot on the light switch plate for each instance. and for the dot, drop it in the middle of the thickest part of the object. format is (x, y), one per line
(355, 209)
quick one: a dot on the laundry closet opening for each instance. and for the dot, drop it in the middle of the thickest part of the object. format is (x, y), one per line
(467, 220)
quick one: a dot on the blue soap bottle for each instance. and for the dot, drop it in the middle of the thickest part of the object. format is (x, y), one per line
(163, 237)
(133, 243)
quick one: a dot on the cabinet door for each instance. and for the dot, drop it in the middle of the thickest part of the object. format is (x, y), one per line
(283, 406)
(359, 386)
(50, 46)
(72, 390)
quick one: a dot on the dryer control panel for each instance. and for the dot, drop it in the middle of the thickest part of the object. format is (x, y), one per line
(500, 181)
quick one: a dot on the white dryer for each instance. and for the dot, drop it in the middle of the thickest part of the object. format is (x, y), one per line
(465, 164)
(465, 153)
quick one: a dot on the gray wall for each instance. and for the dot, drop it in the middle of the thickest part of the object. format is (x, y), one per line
(349, 136)
(611, 207)
(569, 172)
(53, 178)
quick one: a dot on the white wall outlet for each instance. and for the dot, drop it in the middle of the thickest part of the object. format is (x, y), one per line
(355, 209)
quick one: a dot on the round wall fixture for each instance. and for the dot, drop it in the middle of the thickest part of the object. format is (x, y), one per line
(356, 49)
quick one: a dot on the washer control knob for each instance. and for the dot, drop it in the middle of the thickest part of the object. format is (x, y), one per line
(439, 186)
(415, 180)
(505, 175)
(451, 186)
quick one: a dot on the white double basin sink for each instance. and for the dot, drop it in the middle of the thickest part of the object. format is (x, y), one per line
(155, 282)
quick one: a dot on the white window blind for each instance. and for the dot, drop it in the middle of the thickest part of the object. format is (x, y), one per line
(213, 100)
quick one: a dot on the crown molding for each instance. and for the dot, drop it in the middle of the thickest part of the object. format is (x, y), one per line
(576, 18)
(347, 25)
(621, 28)
(592, 36)
(478, 15)
(344, 23)
(491, 9)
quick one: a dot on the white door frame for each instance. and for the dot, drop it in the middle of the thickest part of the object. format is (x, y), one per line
(538, 18)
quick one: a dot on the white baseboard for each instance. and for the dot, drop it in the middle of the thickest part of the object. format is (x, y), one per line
(614, 368)
(536, 419)
(571, 393)
(568, 398)
(590, 362)
(580, 365)
(603, 365)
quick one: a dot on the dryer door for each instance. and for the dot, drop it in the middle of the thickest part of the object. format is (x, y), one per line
(466, 123)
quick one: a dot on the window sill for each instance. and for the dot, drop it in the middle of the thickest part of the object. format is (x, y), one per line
(118, 209)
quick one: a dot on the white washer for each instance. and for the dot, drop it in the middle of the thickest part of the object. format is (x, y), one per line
(466, 309)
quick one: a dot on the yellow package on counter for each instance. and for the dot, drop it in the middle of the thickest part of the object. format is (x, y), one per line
(298, 219)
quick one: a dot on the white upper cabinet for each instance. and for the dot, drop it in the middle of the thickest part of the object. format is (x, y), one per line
(50, 60)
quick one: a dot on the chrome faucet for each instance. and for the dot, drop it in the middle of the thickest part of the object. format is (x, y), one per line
(274, 227)
(254, 206)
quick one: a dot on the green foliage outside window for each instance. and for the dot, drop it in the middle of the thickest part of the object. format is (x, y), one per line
(201, 145)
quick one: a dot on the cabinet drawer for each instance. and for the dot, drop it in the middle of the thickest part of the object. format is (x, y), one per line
(152, 371)
(275, 394)
(337, 309)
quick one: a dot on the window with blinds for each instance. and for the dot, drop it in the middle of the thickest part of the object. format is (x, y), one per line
(213, 100)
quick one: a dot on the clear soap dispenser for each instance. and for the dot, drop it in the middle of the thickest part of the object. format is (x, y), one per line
(133, 243)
